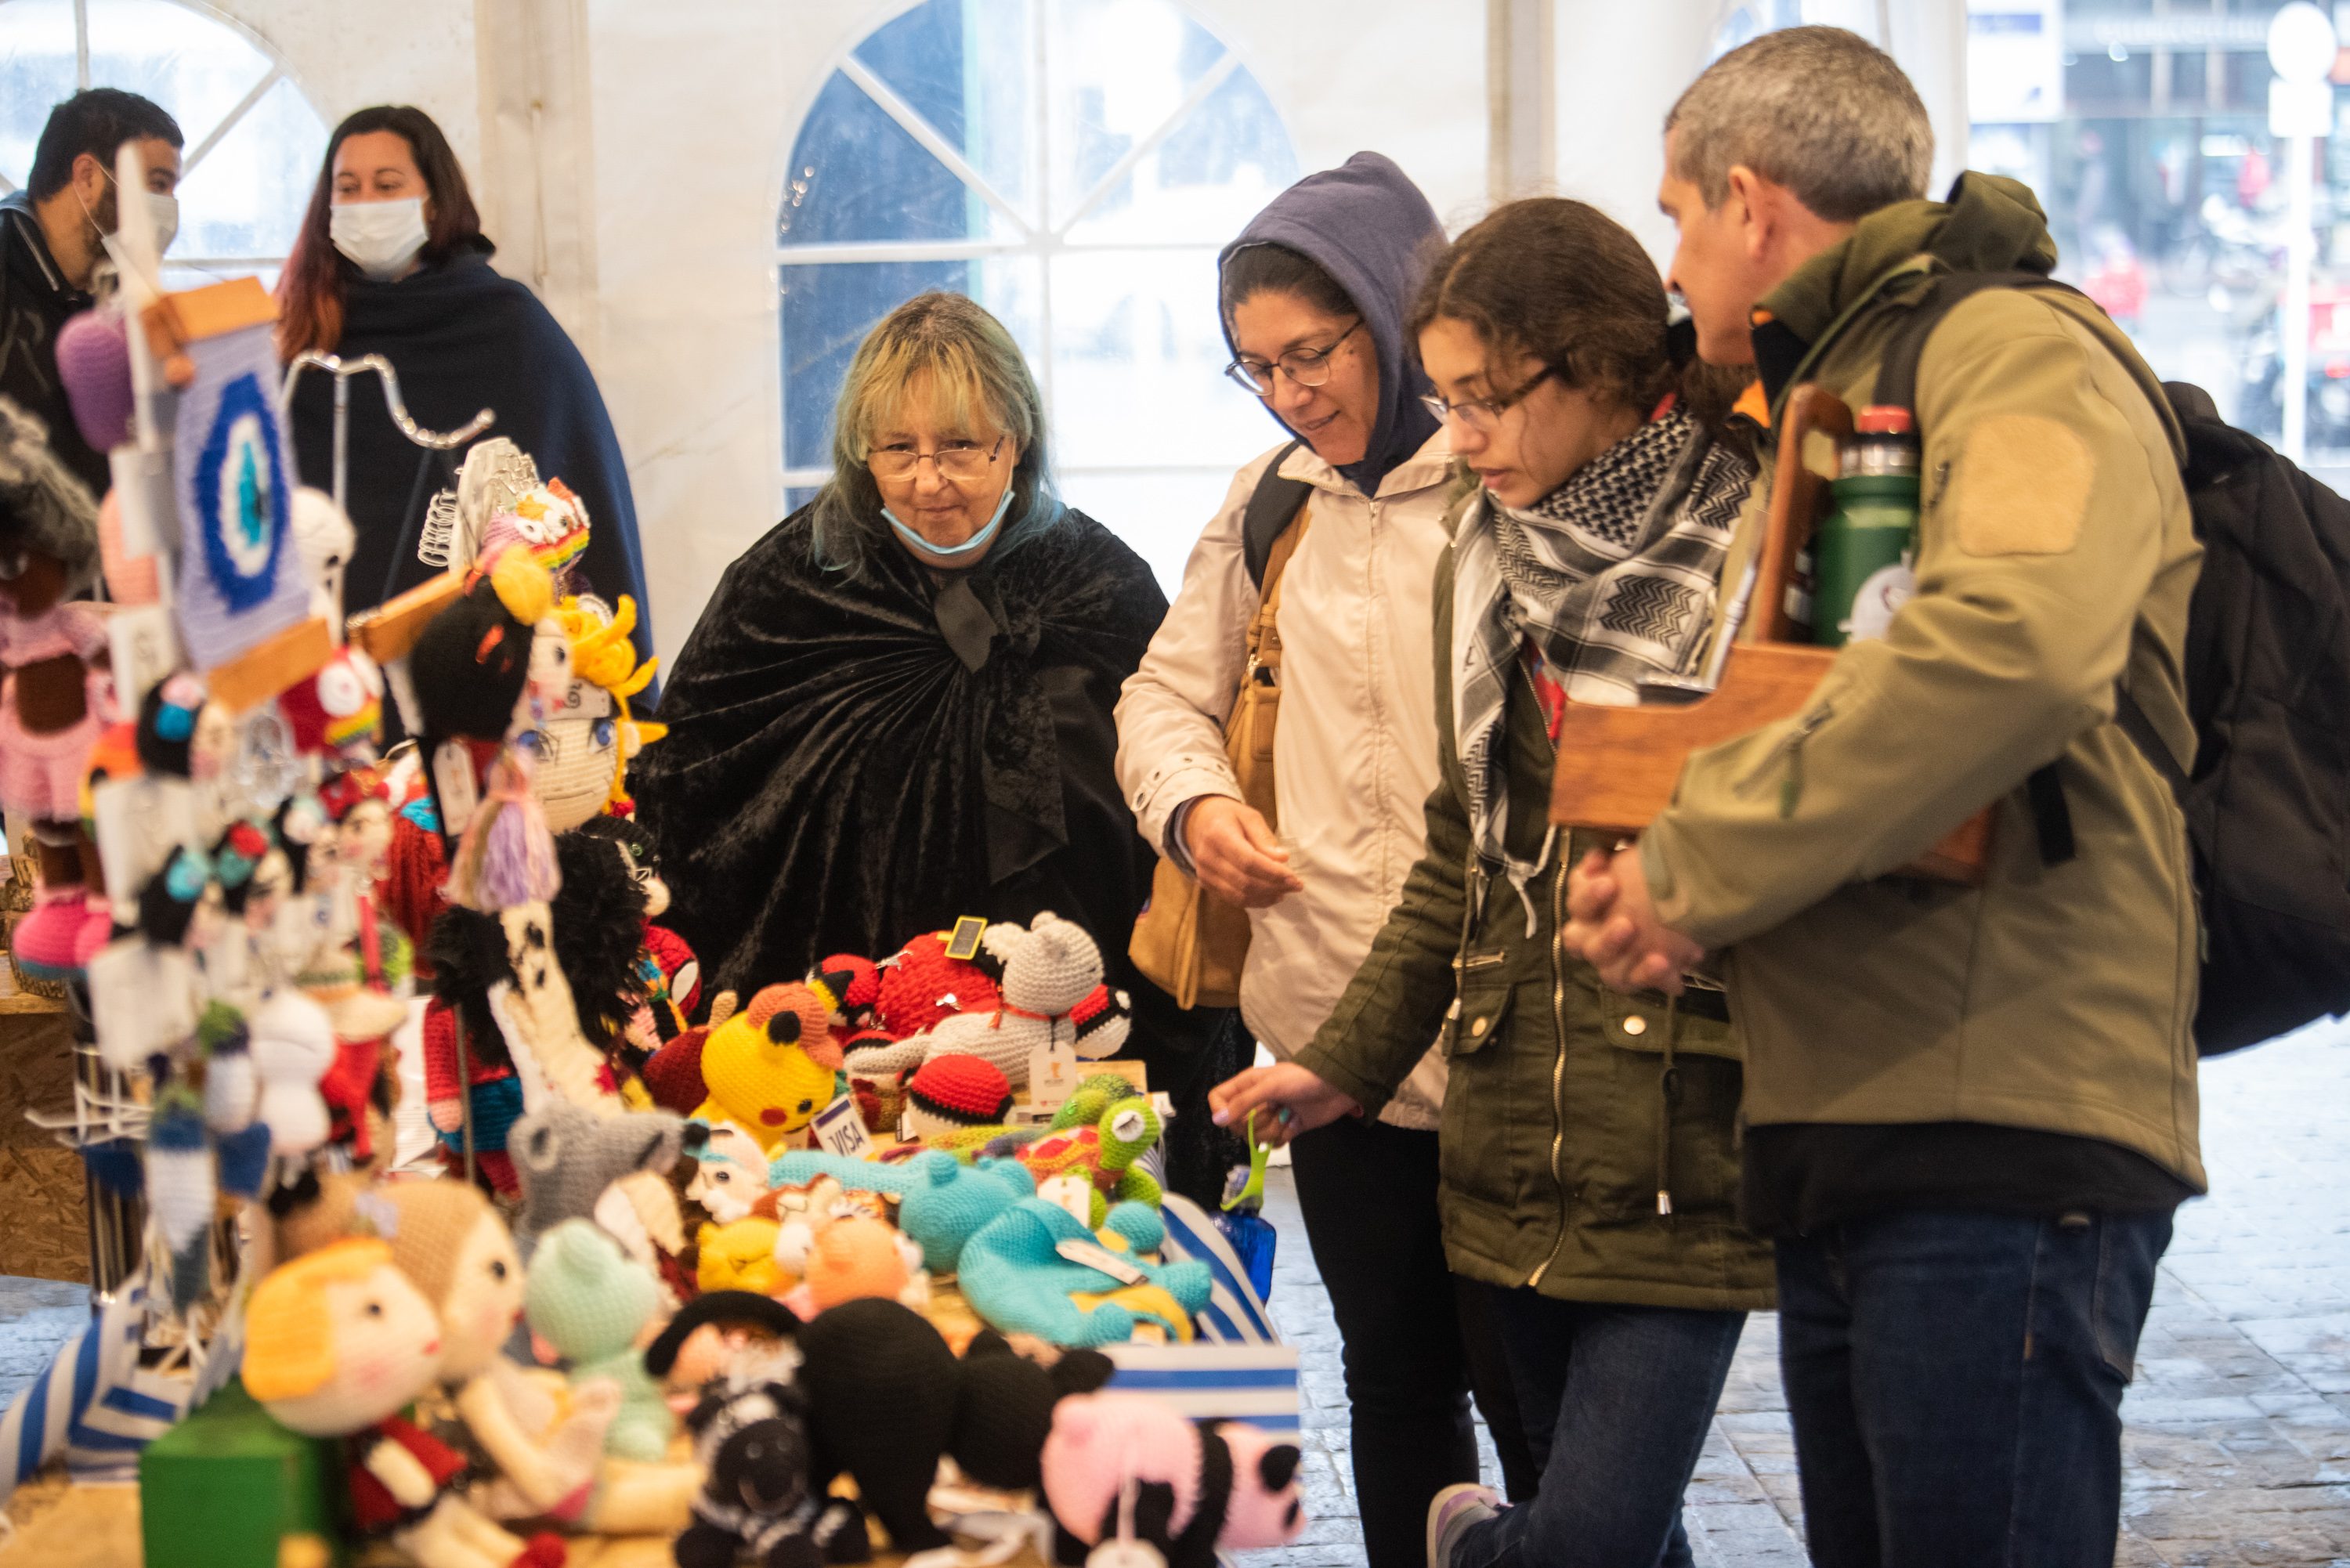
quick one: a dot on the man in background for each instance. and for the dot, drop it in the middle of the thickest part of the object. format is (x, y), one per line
(51, 239)
(1970, 1111)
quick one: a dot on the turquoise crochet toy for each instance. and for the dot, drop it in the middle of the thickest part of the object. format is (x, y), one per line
(587, 1298)
(1014, 1276)
(944, 1203)
(950, 1203)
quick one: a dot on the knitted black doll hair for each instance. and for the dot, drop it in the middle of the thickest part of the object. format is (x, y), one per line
(44, 508)
(469, 665)
(467, 950)
(159, 755)
(599, 918)
(624, 830)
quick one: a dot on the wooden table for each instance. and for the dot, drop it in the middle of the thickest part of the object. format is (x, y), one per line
(98, 1527)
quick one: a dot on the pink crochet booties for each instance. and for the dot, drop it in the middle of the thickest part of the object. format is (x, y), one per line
(48, 941)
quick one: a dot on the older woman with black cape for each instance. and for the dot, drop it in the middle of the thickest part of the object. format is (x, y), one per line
(896, 709)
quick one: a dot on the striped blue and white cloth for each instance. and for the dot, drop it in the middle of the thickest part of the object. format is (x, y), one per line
(95, 1404)
(1237, 1370)
(1235, 1314)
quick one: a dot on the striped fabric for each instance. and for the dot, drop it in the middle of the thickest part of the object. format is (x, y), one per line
(1234, 1314)
(1256, 1383)
(95, 1404)
(1237, 1370)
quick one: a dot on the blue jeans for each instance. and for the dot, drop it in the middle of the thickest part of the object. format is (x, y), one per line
(1956, 1382)
(1615, 1402)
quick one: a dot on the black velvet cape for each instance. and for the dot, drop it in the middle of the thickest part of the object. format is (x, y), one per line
(463, 338)
(837, 779)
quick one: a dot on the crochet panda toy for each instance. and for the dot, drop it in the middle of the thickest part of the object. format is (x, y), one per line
(750, 1435)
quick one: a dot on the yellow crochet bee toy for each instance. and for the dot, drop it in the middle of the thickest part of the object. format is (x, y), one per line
(769, 1069)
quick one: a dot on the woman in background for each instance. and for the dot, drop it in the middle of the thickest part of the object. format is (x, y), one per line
(895, 711)
(392, 260)
(1314, 293)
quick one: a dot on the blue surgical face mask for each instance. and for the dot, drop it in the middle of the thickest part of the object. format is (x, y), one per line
(949, 555)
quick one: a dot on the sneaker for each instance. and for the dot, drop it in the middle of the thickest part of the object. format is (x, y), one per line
(1451, 1513)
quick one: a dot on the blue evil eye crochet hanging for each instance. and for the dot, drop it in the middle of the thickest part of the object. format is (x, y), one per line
(241, 583)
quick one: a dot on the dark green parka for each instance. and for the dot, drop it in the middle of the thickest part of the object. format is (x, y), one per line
(1573, 1116)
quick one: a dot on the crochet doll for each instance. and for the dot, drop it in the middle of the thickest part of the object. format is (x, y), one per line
(337, 1343)
(55, 697)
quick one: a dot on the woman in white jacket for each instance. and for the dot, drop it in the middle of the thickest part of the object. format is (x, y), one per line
(1314, 294)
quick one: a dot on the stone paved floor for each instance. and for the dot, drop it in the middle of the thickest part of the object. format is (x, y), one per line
(2237, 1439)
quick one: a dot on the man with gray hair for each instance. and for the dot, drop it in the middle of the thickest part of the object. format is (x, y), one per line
(1971, 1110)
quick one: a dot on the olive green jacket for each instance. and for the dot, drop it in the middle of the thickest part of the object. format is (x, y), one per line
(2056, 557)
(1569, 1109)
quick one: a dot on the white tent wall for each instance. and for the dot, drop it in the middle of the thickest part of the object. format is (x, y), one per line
(694, 111)
(629, 156)
(349, 53)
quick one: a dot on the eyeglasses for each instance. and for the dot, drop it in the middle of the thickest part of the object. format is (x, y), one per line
(1480, 414)
(1306, 367)
(956, 460)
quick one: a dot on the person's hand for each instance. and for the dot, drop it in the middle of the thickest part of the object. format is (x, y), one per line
(1235, 854)
(1612, 925)
(1288, 1099)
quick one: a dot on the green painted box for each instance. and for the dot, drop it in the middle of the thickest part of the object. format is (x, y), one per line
(223, 1487)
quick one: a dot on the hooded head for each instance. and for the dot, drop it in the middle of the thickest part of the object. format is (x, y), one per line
(1368, 226)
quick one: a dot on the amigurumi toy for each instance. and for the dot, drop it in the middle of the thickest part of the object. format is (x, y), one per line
(886, 1397)
(1203, 1487)
(587, 1298)
(1105, 1154)
(1050, 970)
(750, 1435)
(948, 1094)
(770, 1068)
(1014, 1276)
(739, 1255)
(943, 1203)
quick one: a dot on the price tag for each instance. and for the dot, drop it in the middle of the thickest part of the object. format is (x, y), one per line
(1076, 1194)
(145, 647)
(142, 1001)
(453, 775)
(1100, 1259)
(139, 822)
(1052, 1075)
(840, 1130)
(963, 943)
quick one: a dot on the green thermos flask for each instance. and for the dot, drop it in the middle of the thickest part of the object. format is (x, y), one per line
(1867, 546)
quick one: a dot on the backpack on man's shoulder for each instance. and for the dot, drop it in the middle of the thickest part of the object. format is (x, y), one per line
(2267, 686)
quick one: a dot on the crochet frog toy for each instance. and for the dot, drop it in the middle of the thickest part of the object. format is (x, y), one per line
(770, 1068)
(339, 1341)
(588, 1298)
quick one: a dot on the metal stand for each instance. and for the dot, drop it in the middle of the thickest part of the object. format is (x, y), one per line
(343, 371)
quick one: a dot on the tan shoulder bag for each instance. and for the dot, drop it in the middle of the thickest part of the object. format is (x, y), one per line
(1188, 942)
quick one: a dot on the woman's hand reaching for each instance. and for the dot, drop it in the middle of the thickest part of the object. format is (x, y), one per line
(1289, 1100)
(1236, 855)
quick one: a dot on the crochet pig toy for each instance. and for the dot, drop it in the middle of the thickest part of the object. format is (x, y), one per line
(1203, 1487)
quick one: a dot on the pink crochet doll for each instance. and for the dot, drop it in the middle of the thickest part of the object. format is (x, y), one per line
(55, 697)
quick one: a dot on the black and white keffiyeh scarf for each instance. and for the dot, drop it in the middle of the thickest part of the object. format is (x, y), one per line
(1613, 575)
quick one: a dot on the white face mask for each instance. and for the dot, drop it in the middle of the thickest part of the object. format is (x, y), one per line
(380, 238)
(163, 212)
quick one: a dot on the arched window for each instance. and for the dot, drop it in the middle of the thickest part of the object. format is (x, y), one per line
(254, 142)
(1074, 165)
